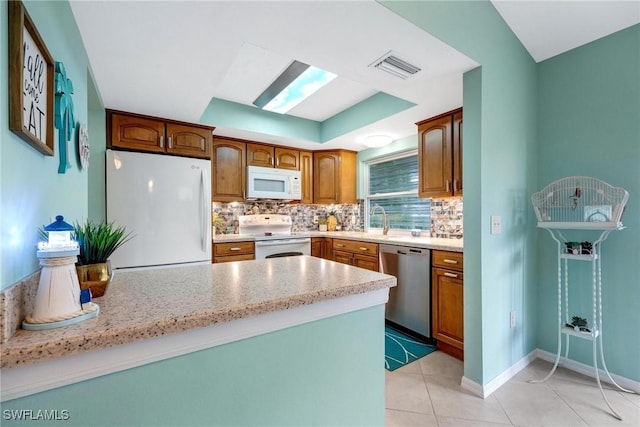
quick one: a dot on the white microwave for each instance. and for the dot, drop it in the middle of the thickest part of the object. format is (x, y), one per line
(273, 183)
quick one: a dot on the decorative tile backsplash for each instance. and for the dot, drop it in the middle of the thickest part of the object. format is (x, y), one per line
(305, 217)
(446, 218)
(446, 215)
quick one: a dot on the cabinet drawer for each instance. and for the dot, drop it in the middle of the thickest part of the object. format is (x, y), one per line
(446, 259)
(365, 248)
(230, 258)
(233, 248)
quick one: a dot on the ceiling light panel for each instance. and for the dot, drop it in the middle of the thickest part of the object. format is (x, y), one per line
(295, 84)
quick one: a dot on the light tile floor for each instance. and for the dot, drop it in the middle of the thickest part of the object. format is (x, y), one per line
(428, 393)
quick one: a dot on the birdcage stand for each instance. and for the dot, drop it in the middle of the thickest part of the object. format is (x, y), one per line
(586, 204)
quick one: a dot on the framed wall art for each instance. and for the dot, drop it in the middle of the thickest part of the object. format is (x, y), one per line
(31, 88)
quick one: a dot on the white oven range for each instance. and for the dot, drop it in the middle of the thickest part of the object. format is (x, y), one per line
(273, 236)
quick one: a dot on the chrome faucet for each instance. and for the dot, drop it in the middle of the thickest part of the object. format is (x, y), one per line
(385, 226)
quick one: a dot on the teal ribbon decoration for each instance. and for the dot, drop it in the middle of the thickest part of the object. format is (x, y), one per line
(64, 119)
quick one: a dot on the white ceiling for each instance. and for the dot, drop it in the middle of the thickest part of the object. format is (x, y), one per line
(170, 58)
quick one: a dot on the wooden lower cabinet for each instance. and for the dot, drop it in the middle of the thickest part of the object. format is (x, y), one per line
(356, 253)
(322, 247)
(447, 289)
(233, 251)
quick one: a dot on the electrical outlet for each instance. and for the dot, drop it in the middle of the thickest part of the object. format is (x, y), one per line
(512, 319)
(496, 224)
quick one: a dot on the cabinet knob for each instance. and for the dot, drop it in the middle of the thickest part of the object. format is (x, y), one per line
(340, 245)
(170, 144)
(447, 186)
(162, 142)
(451, 275)
(364, 249)
(450, 261)
(234, 249)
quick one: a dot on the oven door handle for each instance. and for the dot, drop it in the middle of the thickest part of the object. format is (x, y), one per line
(280, 242)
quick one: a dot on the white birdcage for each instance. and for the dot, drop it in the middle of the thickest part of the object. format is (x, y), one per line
(580, 202)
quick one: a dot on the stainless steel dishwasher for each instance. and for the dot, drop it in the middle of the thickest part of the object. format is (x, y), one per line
(409, 303)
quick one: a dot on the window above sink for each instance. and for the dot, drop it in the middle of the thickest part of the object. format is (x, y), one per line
(392, 182)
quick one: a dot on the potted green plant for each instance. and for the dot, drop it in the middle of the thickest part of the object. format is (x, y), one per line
(322, 225)
(97, 241)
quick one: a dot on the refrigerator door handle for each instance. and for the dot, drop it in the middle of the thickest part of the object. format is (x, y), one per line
(203, 198)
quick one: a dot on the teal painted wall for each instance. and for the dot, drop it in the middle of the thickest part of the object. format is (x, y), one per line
(325, 373)
(499, 174)
(372, 109)
(31, 190)
(229, 114)
(589, 111)
(239, 116)
(97, 126)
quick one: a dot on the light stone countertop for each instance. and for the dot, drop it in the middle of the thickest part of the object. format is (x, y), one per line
(394, 238)
(149, 303)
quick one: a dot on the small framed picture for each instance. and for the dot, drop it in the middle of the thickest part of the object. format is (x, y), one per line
(31, 82)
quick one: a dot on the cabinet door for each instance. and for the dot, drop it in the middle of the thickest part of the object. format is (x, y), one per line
(228, 164)
(137, 133)
(260, 155)
(435, 156)
(448, 307)
(188, 140)
(326, 177)
(306, 174)
(457, 154)
(317, 246)
(328, 248)
(287, 158)
(342, 257)
(366, 261)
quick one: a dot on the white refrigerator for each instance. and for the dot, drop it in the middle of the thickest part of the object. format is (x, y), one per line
(165, 201)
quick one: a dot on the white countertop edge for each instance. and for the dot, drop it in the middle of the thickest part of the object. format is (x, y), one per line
(30, 379)
(395, 238)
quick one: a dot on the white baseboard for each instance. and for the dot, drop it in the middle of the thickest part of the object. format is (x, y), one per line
(486, 390)
(588, 370)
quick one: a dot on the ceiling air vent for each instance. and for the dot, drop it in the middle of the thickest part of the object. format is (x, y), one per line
(395, 66)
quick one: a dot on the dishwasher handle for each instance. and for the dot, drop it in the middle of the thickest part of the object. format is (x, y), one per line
(404, 250)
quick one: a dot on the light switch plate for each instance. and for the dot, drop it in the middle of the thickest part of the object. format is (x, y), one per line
(496, 224)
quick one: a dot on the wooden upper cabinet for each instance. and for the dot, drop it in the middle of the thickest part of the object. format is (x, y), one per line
(228, 163)
(287, 158)
(269, 156)
(457, 153)
(440, 155)
(334, 177)
(188, 140)
(137, 133)
(306, 173)
(151, 134)
(260, 155)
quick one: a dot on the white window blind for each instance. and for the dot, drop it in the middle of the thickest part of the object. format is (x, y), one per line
(393, 184)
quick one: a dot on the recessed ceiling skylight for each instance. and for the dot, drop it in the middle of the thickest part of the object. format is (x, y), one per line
(295, 84)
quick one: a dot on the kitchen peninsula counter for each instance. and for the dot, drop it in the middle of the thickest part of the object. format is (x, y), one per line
(167, 301)
(394, 238)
